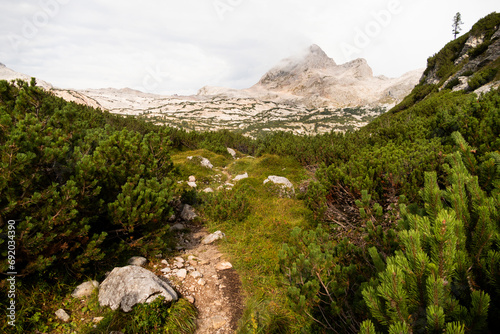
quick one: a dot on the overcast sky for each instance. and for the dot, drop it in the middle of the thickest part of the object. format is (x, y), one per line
(166, 46)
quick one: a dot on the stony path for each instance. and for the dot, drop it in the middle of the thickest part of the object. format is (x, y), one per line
(202, 275)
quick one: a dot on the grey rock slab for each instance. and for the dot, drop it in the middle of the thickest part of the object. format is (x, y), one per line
(126, 286)
(85, 289)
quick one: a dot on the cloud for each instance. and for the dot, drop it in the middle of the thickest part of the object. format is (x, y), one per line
(168, 47)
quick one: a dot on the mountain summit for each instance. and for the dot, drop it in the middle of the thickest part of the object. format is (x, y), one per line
(291, 68)
(315, 80)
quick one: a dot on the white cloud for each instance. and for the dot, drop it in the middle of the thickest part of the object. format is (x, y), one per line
(174, 46)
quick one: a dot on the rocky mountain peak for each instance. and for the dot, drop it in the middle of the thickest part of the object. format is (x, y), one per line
(313, 58)
(2, 65)
(359, 68)
(317, 58)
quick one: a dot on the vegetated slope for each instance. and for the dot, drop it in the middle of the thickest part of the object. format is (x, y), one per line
(409, 206)
(411, 241)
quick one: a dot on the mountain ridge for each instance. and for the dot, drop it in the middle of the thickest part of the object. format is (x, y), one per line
(316, 80)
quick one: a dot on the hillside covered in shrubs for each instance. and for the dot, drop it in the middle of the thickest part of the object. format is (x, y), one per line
(396, 227)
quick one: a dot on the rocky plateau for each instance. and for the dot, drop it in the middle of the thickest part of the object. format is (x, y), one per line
(305, 94)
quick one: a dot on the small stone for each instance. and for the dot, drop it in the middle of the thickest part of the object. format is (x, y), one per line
(137, 261)
(97, 319)
(240, 177)
(217, 322)
(190, 299)
(192, 184)
(196, 274)
(201, 282)
(85, 289)
(193, 262)
(191, 257)
(192, 178)
(177, 227)
(232, 152)
(208, 190)
(179, 265)
(179, 259)
(211, 238)
(62, 315)
(223, 265)
(165, 270)
(164, 262)
(188, 213)
(182, 273)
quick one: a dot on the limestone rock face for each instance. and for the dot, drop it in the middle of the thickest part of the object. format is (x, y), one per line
(316, 80)
(126, 286)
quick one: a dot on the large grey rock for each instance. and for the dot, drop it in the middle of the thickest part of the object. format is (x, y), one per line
(126, 286)
(188, 213)
(284, 186)
(85, 289)
(211, 238)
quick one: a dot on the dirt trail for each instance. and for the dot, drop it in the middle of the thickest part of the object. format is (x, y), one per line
(216, 289)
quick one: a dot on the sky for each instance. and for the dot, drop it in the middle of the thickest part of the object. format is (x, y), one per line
(177, 47)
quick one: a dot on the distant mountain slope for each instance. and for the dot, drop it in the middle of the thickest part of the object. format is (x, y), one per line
(9, 75)
(314, 79)
(67, 94)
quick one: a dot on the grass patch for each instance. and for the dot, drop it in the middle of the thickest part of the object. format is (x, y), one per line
(253, 245)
